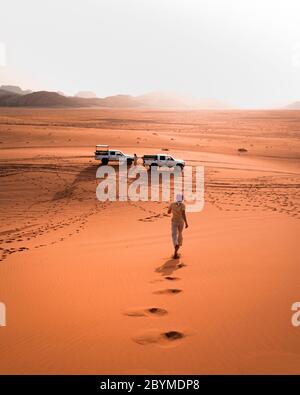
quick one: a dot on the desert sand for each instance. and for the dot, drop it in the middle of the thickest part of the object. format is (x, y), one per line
(90, 287)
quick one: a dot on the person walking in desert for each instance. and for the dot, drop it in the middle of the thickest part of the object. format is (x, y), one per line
(177, 223)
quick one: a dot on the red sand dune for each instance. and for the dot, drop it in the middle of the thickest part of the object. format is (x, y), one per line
(91, 287)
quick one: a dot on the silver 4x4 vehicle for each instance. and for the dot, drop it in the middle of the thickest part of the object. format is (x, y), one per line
(106, 155)
(161, 160)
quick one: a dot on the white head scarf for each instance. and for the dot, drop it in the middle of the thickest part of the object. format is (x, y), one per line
(179, 197)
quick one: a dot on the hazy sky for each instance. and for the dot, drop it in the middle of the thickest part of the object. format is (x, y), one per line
(246, 52)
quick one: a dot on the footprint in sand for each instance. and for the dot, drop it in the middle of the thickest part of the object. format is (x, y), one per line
(171, 278)
(161, 339)
(168, 291)
(152, 311)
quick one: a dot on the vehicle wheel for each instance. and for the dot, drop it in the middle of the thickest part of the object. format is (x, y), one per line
(179, 167)
(129, 162)
(153, 166)
(104, 161)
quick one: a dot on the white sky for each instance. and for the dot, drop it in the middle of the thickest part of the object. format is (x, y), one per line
(246, 52)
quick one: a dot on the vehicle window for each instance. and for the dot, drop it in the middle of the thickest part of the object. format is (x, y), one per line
(162, 157)
(170, 158)
(112, 152)
(153, 157)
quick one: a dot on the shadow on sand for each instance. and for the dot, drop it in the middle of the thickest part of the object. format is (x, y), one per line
(169, 267)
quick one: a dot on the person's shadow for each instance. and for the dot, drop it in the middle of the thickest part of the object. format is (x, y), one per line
(169, 267)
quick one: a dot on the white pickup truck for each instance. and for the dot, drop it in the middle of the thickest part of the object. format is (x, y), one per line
(161, 160)
(105, 155)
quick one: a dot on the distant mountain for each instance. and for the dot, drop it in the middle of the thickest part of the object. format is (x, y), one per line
(294, 106)
(86, 95)
(7, 98)
(35, 99)
(121, 101)
(54, 99)
(14, 98)
(170, 100)
(15, 89)
(5, 93)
